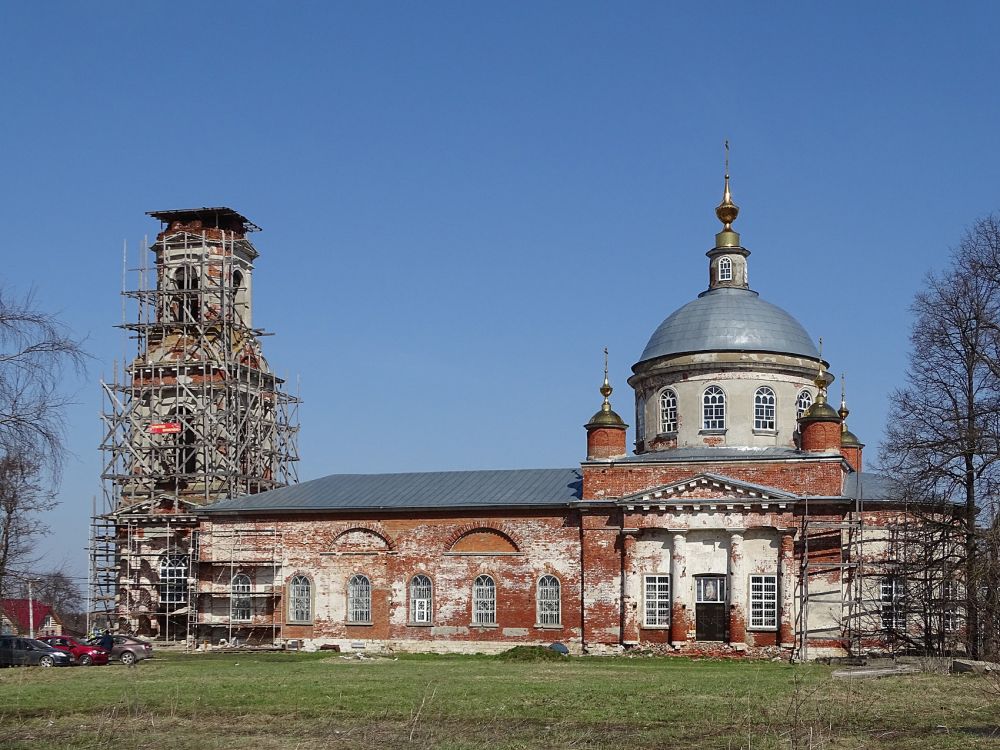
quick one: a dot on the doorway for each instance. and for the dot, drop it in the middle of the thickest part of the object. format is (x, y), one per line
(710, 608)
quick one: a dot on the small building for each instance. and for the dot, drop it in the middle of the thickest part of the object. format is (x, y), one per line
(18, 615)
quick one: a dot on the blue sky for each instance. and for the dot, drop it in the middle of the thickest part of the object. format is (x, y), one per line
(463, 203)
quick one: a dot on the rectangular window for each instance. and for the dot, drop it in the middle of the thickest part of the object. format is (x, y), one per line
(657, 601)
(764, 602)
(893, 612)
(710, 590)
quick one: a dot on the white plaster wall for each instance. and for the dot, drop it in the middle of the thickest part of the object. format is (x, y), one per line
(739, 387)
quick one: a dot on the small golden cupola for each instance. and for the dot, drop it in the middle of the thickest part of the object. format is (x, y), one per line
(605, 430)
(727, 261)
(820, 425)
(850, 446)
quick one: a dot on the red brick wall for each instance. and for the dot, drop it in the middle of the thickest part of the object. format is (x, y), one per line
(820, 477)
(452, 550)
(821, 436)
(606, 442)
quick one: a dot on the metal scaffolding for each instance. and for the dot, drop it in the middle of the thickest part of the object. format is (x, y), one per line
(240, 596)
(195, 416)
(831, 543)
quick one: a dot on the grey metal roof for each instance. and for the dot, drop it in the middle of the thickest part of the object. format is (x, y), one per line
(727, 319)
(424, 490)
(869, 486)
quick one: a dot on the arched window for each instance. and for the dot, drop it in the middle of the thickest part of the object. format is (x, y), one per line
(549, 605)
(186, 305)
(299, 599)
(763, 409)
(240, 609)
(668, 411)
(359, 599)
(173, 581)
(421, 594)
(484, 601)
(725, 269)
(802, 403)
(713, 408)
(640, 421)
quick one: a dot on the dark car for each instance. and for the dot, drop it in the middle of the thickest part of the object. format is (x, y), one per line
(82, 653)
(128, 649)
(22, 652)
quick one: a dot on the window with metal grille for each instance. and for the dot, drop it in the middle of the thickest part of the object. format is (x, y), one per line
(713, 408)
(359, 599)
(484, 601)
(892, 596)
(240, 609)
(763, 409)
(549, 601)
(668, 411)
(725, 269)
(802, 403)
(421, 597)
(764, 602)
(173, 581)
(299, 599)
(656, 601)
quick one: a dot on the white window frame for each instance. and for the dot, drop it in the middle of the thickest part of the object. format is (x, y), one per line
(763, 601)
(668, 411)
(713, 409)
(173, 584)
(892, 593)
(484, 601)
(548, 601)
(359, 600)
(300, 599)
(802, 402)
(421, 600)
(240, 603)
(765, 408)
(703, 595)
(725, 269)
(656, 600)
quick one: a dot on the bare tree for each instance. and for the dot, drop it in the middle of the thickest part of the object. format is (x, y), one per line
(22, 501)
(943, 436)
(36, 351)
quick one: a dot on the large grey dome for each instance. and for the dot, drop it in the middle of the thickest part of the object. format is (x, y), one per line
(729, 319)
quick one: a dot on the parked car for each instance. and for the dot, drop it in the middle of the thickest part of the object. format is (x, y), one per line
(128, 649)
(21, 652)
(82, 653)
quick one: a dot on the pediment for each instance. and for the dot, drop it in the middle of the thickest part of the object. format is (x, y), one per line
(708, 488)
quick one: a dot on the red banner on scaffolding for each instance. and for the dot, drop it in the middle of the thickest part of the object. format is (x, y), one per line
(165, 428)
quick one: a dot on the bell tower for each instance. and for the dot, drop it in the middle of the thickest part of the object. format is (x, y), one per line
(196, 415)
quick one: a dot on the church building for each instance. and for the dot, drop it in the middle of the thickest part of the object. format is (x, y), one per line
(741, 522)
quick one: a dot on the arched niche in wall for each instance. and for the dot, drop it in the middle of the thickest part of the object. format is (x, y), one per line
(362, 540)
(484, 541)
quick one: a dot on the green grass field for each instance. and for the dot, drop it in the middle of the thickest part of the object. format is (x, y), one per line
(270, 700)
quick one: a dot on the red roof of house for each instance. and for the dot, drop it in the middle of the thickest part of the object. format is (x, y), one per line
(17, 611)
